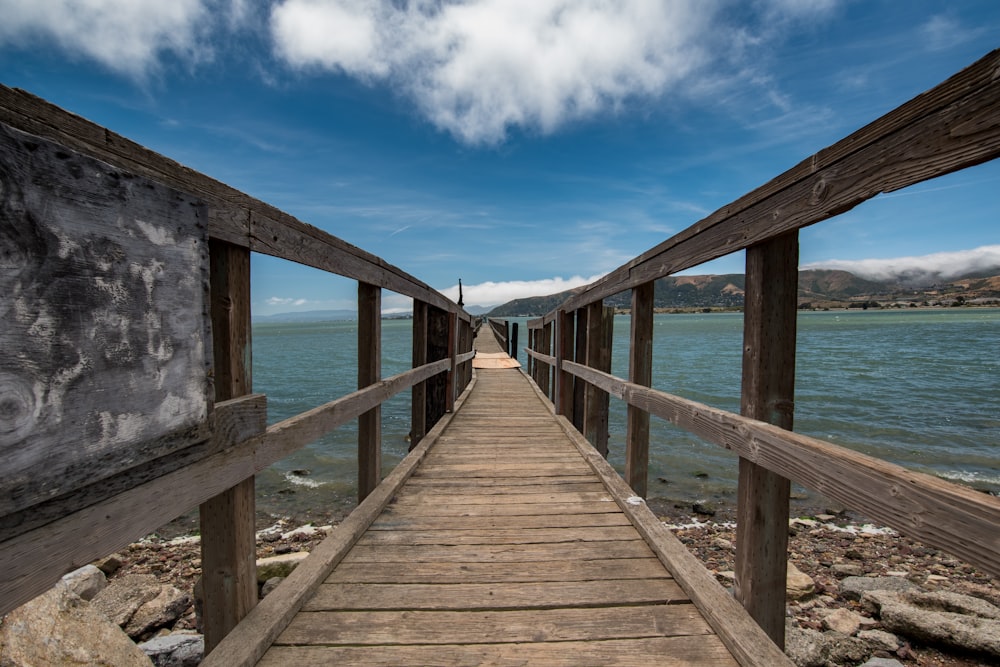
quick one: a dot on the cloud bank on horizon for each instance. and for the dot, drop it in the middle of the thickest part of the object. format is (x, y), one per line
(475, 69)
(926, 268)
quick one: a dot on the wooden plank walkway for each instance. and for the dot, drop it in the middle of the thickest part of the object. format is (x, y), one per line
(506, 546)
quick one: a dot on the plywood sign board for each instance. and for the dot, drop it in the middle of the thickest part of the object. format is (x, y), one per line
(104, 349)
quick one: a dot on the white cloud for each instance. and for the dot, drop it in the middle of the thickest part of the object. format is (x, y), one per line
(497, 293)
(926, 268)
(479, 68)
(285, 301)
(124, 35)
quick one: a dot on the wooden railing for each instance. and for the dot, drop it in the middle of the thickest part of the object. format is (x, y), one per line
(951, 127)
(46, 536)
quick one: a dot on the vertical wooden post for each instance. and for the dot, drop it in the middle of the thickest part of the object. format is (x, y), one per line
(580, 356)
(640, 371)
(544, 370)
(513, 341)
(228, 545)
(452, 380)
(418, 400)
(768, 391)
(437, 349)
(564, 350)
(369, 372)
(600, 323)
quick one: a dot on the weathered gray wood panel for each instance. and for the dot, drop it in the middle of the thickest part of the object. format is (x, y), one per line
(103, 297)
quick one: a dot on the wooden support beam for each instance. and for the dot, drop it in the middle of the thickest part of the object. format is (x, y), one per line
(600, 325)
(640, 371)
(453, 355)
(437, 349)
(418, 400)
(767, 394)
(228, 545)
(564, 352)
(580, 356)
(369, 372)
(545, 371)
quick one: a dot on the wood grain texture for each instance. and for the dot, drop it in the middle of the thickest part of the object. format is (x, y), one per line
(104, 296)
(31, 562)
(640, 371)
(227, 521)
(768, 394)
(369, 372)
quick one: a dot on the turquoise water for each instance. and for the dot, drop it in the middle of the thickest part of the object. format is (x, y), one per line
(920, 388)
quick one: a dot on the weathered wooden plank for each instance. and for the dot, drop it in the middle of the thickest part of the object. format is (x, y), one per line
(104, 271)
(31, 562)
(369, 372)
(444, 508)
(446, 627)
(227, 521)
(768, 394)
(499, 535)
(401, 521)
(268, 619)
(953, 126)
(462, 488)
(495, 596)
(416, 498)
(504, 482)
(640, 371)
(517, 572)
(694, 651)
(938, 513)
(505, 553)
(418, 395)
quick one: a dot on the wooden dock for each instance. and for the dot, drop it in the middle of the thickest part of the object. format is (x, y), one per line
(507, 544)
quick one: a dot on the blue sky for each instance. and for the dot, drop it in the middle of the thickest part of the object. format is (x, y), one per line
(524, 146)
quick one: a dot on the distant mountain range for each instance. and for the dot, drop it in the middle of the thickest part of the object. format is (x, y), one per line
(818, 288)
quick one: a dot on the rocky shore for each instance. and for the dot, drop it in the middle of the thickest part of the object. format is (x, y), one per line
(847, 586)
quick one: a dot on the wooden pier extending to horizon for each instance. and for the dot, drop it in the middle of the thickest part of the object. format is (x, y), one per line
(504, 537)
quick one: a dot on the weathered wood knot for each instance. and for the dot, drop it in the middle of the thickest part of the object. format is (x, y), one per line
(17, 409)
(820, 192)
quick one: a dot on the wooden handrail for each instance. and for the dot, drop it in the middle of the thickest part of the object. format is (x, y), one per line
(938, 513)
(951, 127)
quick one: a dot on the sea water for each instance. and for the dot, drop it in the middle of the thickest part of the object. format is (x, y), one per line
(917, 387)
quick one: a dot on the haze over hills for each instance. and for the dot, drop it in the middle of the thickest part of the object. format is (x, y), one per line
(818, 288)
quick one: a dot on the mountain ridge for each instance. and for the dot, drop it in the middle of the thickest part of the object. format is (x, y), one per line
(818, 288)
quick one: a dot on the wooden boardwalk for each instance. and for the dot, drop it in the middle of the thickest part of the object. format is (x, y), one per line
(506, 546)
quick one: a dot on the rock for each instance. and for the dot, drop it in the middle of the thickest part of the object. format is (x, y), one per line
(804, 647)
(844, 621)
(798, 584)
(86, 581)
(722, 544)
(811, 648)
(109, 564)
(940, 618)
(61, 628)
(140, 604)
(841, 570)
(278, 566)
(176, 650)
(270, 585)
(882, 662)
(853, 588)
(880, 640)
